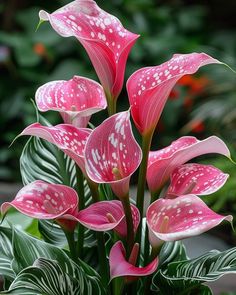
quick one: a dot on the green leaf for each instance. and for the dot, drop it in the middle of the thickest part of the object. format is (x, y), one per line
(52, 233)
(6, 253)
(27, 249)
(170, 252)
(41, 160)
(47, 277)
(189, 274)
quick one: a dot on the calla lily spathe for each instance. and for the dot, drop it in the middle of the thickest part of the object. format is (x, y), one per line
(69, 139)
(149, 87)
(102, 35)
(112, 153)
(120, 267)
(42, 200)
(76, 99)
(196, 179)
(180, 218)
(161, 163)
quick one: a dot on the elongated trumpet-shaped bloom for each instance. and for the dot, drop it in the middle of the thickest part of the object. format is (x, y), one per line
(120, 267)
(161, 163)
(102, 35)
(69, 139)
(183, 217)
(42, 200)
(196, 179)
(107, 215)
(112, 154)
(76, 99)
(149, 88)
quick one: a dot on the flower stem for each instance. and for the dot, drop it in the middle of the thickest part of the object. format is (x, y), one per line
(129, 222)
(80, 190)
(94, 190)
(71, 243)
(146, 143)
(111, 104)
(103, 262)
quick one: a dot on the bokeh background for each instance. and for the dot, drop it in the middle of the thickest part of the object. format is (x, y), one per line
(199, 105)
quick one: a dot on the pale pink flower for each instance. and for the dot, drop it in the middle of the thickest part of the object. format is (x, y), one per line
(76, 99)
(180, 218)
(161, 163)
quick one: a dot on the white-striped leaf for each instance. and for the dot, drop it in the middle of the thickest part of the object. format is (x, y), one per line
(170, 252)
(6, 254)
(47, 277)
(27, 249)
(189, 274)
(41, 160)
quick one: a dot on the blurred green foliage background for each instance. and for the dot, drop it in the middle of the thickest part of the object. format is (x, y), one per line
(202, 105)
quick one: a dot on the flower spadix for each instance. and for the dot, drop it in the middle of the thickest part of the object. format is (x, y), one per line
(183, 217)
(102, 35)
(69, 139)
(112, 154)
(42, 200)
(120, 267)
(107, 215)
(76, 99)
(196, 179)
(161, 163)
(149, 87)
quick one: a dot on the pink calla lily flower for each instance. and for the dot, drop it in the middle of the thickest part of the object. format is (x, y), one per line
(196, 179)
(149, 88)
(102, 35)
(42, 200)
(120, 267)
(76, 99)
(69, 139)
(180, 218)
(107, 215)
(112, 154)
(161, 163)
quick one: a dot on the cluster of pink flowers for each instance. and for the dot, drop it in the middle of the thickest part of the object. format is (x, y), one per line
(110, 154)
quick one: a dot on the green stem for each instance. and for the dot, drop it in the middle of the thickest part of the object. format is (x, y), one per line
(94, 190)
(146, 143)
(103, 262)
(111, 104)
(148, 280)
(129, 222)
(80, 190)
(71, 244)
(118, 286)
(146, 254)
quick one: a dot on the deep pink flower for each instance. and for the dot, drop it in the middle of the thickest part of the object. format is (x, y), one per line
(180, 218)
(161, 163)
(102, 35)
(112, 154)
(76, 99)
(107, 215)
(69, 139)
(148, 88)
(196, 179)
(42, 200)
(120, 267)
